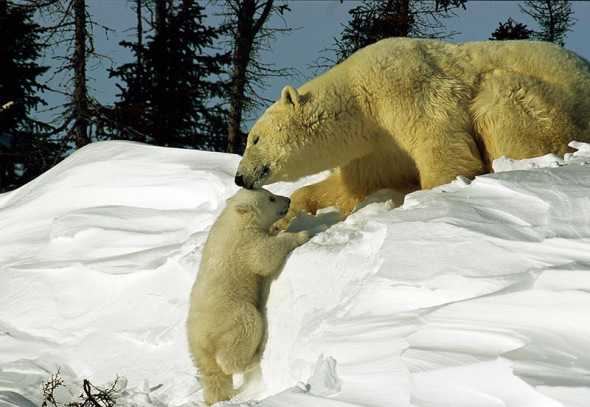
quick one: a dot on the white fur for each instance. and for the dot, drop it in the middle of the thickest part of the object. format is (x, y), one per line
(406, 114)
(225, 327)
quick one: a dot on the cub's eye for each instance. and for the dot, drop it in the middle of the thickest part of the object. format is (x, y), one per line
(272, 198)
(255, 140)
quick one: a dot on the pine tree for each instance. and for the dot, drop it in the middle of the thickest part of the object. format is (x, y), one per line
(555, 18)
(173, 94)
(129, 119)
(511, 30)
(25, 147)
(374, 20)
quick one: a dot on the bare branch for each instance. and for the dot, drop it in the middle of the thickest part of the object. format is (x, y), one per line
(263, 17)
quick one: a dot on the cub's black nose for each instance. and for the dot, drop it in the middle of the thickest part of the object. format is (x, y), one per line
(239, 180)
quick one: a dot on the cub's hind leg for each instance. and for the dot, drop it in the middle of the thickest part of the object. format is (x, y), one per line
(237, 347)
(217, 385)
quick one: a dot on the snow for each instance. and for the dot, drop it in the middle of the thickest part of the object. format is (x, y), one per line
(473, 294)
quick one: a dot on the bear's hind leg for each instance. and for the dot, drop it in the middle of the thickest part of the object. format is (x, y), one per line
(521, 117)
(448, 152)
(217, 385)
(237, 347)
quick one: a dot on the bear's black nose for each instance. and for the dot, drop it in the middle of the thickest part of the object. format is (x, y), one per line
(239, 180)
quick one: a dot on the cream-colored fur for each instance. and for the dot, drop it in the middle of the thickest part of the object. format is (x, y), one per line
(225, 327)
(407, 114)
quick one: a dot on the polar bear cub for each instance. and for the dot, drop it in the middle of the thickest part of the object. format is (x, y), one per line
(224, 324)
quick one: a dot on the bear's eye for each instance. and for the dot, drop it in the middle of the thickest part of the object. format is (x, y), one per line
(255, 140)
(272, 198)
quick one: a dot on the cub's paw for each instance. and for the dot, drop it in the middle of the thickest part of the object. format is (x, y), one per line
(303, 236)
(280, 225)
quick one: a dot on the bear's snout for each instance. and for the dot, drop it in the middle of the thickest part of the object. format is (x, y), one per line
(264, 171)
(239, 180)
(254, 180)
(242, 181)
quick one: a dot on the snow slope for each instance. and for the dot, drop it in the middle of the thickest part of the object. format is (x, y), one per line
(475, 294)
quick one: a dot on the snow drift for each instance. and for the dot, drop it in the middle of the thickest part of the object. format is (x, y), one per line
(473, 294)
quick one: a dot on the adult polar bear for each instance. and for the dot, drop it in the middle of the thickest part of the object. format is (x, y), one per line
(408, 114)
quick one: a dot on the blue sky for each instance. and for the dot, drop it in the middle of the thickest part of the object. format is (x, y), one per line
(317, 22)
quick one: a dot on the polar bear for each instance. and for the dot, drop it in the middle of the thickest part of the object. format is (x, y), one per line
(224, 324)
(407, 114)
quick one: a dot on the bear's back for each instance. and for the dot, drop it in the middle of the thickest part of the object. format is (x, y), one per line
(540, 59)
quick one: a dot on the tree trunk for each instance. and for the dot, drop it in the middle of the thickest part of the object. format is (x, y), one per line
(138, 54)
(4, 57)
(247, 30)
(404, 26)
(160, 125)
(5, 165)
(552, 36)
(240, 60)
(3, 44)
(80, 100)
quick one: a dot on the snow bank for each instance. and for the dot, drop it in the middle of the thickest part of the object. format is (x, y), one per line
(474, 294)
(456, 291)
(97, 257)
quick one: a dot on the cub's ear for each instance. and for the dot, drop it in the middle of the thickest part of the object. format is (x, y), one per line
(290, 96)
(243, 209)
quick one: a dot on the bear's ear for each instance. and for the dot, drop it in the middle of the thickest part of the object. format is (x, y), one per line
(290, 96)
(243, 209)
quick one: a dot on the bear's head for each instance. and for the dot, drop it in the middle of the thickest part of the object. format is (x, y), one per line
(259, 206)
(280, 145)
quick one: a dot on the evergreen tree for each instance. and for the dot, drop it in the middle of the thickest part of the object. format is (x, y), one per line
(25, 147)
(173, 94)
(511, 30)
(374, 20)
(129, 118)
(555, 18)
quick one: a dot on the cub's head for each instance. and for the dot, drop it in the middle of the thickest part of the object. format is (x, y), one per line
(276, 147)
(259, 206)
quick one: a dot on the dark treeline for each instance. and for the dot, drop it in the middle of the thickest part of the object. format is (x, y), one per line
(172, 93)
(187, 84)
